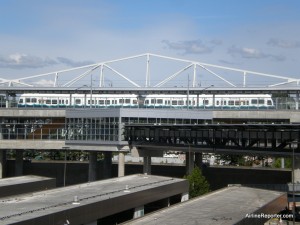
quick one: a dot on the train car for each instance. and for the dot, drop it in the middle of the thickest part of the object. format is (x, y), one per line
(146, 101)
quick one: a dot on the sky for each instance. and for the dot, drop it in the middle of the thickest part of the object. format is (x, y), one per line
(43, 36)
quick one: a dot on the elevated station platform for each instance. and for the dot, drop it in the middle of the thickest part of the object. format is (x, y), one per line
(86, 203)
(231, 205)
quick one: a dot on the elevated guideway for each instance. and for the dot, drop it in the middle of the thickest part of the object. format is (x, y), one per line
(91, 129)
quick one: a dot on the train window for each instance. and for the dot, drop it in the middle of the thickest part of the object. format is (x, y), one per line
(147, 102)
(107, 102)
(152, 101)
(225, 102)
(54, 101)
(180, 102)
(78, 101)
(174, 102)
(48, 101)
(101, 102)
(134, 102)
(159, 101)
(230, 102)
(269, 102)
(253, 101)
(33, 100)
(217, 103)
(237, 102)
(121, 101)
(67, 102)
(113, 102)
(205, 102)
(21, 100)
(127, 100)
(27, 100)
(261, 101)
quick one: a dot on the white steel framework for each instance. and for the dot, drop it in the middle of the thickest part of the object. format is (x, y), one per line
(101, 67)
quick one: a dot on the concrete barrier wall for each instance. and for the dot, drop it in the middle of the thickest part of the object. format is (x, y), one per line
(218, 177)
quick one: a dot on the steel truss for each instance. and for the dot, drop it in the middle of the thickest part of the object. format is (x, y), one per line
(101, 67)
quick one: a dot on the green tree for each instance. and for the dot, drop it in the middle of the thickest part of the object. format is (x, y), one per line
(277, 163)
(198, 183)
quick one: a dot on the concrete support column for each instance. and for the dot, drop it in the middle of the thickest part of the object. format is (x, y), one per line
(184, 197)
(297, 169)
(92, 166)
(297, 101)
(19, 163)
(138, 212)
(107, 165)
(282, 163)
(189, 162)
(2, 163)
(7, 100)
(147, 165)
(198, 159)
(121, 165)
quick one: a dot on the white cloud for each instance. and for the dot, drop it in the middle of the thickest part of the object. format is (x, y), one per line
(21, 61)
(44, 82)
(252, 53)
(283, 43)
(192, 46)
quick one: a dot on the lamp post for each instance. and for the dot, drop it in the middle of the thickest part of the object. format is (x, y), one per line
(65, 163)
(202, 92)
(293, 179)
(91, 94)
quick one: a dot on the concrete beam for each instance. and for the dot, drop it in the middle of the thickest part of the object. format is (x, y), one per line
(141, 152)
(32, 144)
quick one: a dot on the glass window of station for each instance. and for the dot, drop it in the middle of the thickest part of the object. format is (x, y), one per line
(93, 129)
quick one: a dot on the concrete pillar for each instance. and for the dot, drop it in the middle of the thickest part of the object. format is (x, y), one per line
(147, 165)
(198, 159)
(297, 169)
(138, 212)
(19, 163)
(189, 162)
(6, 100)
(297, 101)
(1, 164)
(92, 166)
(184, 197)
(107, 165)
(282, 163)
(121, 165)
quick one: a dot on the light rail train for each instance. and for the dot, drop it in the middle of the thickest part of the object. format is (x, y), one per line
(147, 101)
